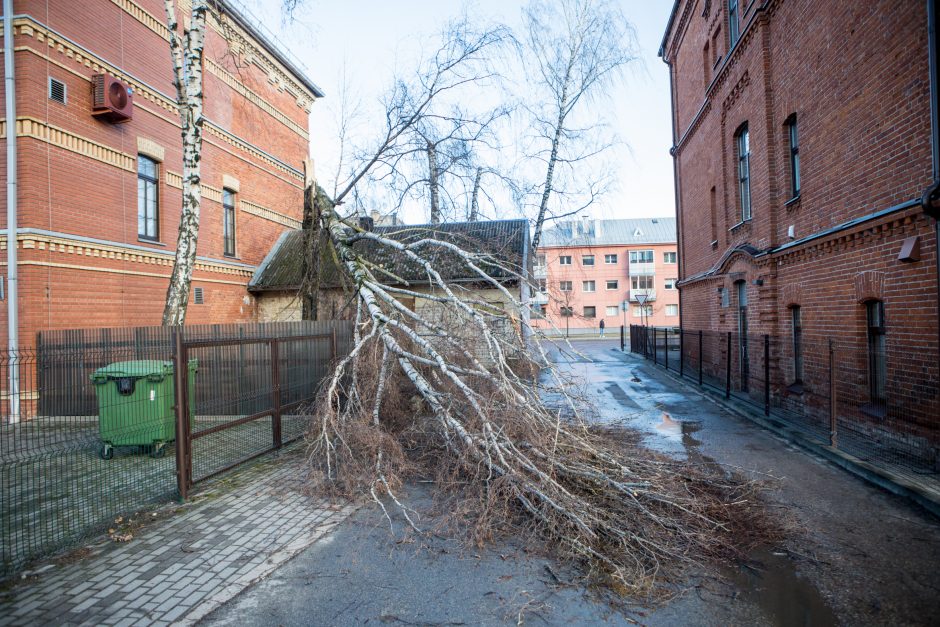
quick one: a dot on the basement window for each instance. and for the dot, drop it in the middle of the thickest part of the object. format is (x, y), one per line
(57, 90)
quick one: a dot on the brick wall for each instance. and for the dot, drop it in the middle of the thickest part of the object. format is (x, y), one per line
(78, 175)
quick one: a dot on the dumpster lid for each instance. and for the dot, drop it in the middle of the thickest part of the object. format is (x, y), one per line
(139, 368)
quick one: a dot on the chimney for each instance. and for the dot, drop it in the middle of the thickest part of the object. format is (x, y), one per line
(366, 223)
(376, 216)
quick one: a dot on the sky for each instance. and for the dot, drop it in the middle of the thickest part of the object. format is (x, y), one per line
(361, 44)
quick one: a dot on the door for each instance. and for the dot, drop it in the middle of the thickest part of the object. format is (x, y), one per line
(742, 333)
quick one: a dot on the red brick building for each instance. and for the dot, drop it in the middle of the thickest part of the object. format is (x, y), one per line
(802, 147)
(99, 201)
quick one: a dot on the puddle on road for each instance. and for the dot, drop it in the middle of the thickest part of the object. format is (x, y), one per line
(769, 580)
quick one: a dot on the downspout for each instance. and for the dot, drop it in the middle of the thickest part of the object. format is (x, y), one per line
(12, 296)
(930, 196)
(675, 183)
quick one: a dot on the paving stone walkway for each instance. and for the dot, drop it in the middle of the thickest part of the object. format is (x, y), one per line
(178, 571)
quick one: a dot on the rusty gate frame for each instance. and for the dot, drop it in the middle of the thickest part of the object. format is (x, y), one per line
(182, 347)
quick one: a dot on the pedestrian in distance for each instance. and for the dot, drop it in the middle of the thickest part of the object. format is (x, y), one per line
(602, 328)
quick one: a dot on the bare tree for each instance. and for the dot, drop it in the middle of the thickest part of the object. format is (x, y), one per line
(186, 53)
(575, 50)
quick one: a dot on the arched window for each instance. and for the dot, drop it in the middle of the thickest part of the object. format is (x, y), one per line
(877, 362)
(743, 149)
(796, 325)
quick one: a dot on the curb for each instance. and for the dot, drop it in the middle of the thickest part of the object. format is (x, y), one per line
(881, 477)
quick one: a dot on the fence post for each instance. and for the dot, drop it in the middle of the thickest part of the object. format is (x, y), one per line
(183, 433)
(333, 345)
(766, 375)
(833, 415)
(700, 357)
(681, 353)
(655, 351)
(666, 348)
(276, 393)
(728, 368)
(623, 342)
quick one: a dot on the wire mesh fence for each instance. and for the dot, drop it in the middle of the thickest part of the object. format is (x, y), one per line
(90, 436)
(879, 403)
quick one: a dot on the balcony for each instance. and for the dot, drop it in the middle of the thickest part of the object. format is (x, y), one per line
(644, 268)
(646, 296)
(540, 272)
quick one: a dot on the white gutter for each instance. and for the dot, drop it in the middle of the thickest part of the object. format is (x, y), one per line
(12, 295)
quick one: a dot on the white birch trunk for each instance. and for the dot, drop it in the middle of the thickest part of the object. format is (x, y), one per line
(186, 53)
(434, 184)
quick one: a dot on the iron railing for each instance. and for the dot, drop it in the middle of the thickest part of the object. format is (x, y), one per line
(71, 464)
(819, 387)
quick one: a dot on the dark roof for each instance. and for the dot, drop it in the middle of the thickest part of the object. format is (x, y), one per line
(505, 242)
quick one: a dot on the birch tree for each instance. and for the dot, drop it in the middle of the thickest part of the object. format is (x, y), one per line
(575, 51)
(442, 392)
(186, 54)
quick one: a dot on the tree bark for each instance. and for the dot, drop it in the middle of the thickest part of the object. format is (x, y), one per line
(433, 183)
(475, 197)
(186, 54)
(553, 158)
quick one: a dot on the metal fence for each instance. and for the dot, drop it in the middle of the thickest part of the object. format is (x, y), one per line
(822, 388)
(95, 435)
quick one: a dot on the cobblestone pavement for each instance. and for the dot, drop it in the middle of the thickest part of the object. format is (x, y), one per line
(180, 570)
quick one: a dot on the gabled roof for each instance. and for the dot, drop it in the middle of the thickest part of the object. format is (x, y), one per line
(611, 232)
(504, 242)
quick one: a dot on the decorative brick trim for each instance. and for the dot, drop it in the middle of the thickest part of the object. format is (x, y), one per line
(869, 285)
(792, 294)
(230, 182)
(269, 214)
(145, 17)
(150, 148)
(55, 136)
(75, 246)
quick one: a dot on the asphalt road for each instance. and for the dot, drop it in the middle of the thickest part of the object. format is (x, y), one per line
(856, 556)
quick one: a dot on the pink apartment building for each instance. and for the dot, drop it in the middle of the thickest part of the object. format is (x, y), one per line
(618, 271)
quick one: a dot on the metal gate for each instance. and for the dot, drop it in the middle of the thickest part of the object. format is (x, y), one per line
(249, 399)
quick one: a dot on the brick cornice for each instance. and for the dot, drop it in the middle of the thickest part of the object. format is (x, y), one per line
(56, 136)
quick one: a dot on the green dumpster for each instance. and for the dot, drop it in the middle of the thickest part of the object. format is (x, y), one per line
(135, 404)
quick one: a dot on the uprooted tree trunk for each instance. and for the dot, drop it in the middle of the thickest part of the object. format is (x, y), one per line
(186, 52)
(505, 459)
(314, 246)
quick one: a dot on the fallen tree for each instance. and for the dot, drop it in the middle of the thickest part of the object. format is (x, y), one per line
(443, 391)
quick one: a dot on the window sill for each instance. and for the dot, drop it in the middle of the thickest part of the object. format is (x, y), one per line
(714, 244)
(739, 225)
(232, 257)
(796, 388)
(792, 202)
(874, 410)
(152, 242)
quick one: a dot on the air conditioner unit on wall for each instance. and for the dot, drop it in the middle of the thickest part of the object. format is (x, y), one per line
(112, 99)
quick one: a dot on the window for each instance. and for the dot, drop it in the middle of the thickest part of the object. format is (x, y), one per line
(794, 142)
(542, 285)
(564, 286)
(147, 207)
(538, 309)
(671, 284)
(796, 322)
(706, 63)
(669, 257)
(612, 311)
(877, 364)
(641, 282)
(567, 312)
(587, 286)
(590, 312)
(672, 310)
(57, 90)
(642, 310)
(228, 222)
(613, 284)
(716, 43)
(610, 259)
(198, 297)
(733, 26)
(564, 260)
(641, 256)
(540, 260)
(713, 206)
(587, 260)
(743, 143)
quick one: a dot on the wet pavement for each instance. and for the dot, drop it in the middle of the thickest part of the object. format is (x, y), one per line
(855, 554)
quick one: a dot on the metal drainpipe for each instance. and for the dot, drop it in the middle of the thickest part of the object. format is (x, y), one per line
(12, 295)
(933, 14)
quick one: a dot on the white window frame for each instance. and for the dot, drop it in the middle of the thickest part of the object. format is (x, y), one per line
(585, 258)
(636, 254)
(647, 278)
(586, 307)
(610, 260)
(670, 284)
(562, 284)
(672, 308)
(564, 260)
(666, 255)
(585, 286)
(615, 287)
(614, 308)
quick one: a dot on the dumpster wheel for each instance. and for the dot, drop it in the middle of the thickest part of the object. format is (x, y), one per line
(158, 450)
(106, 451)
